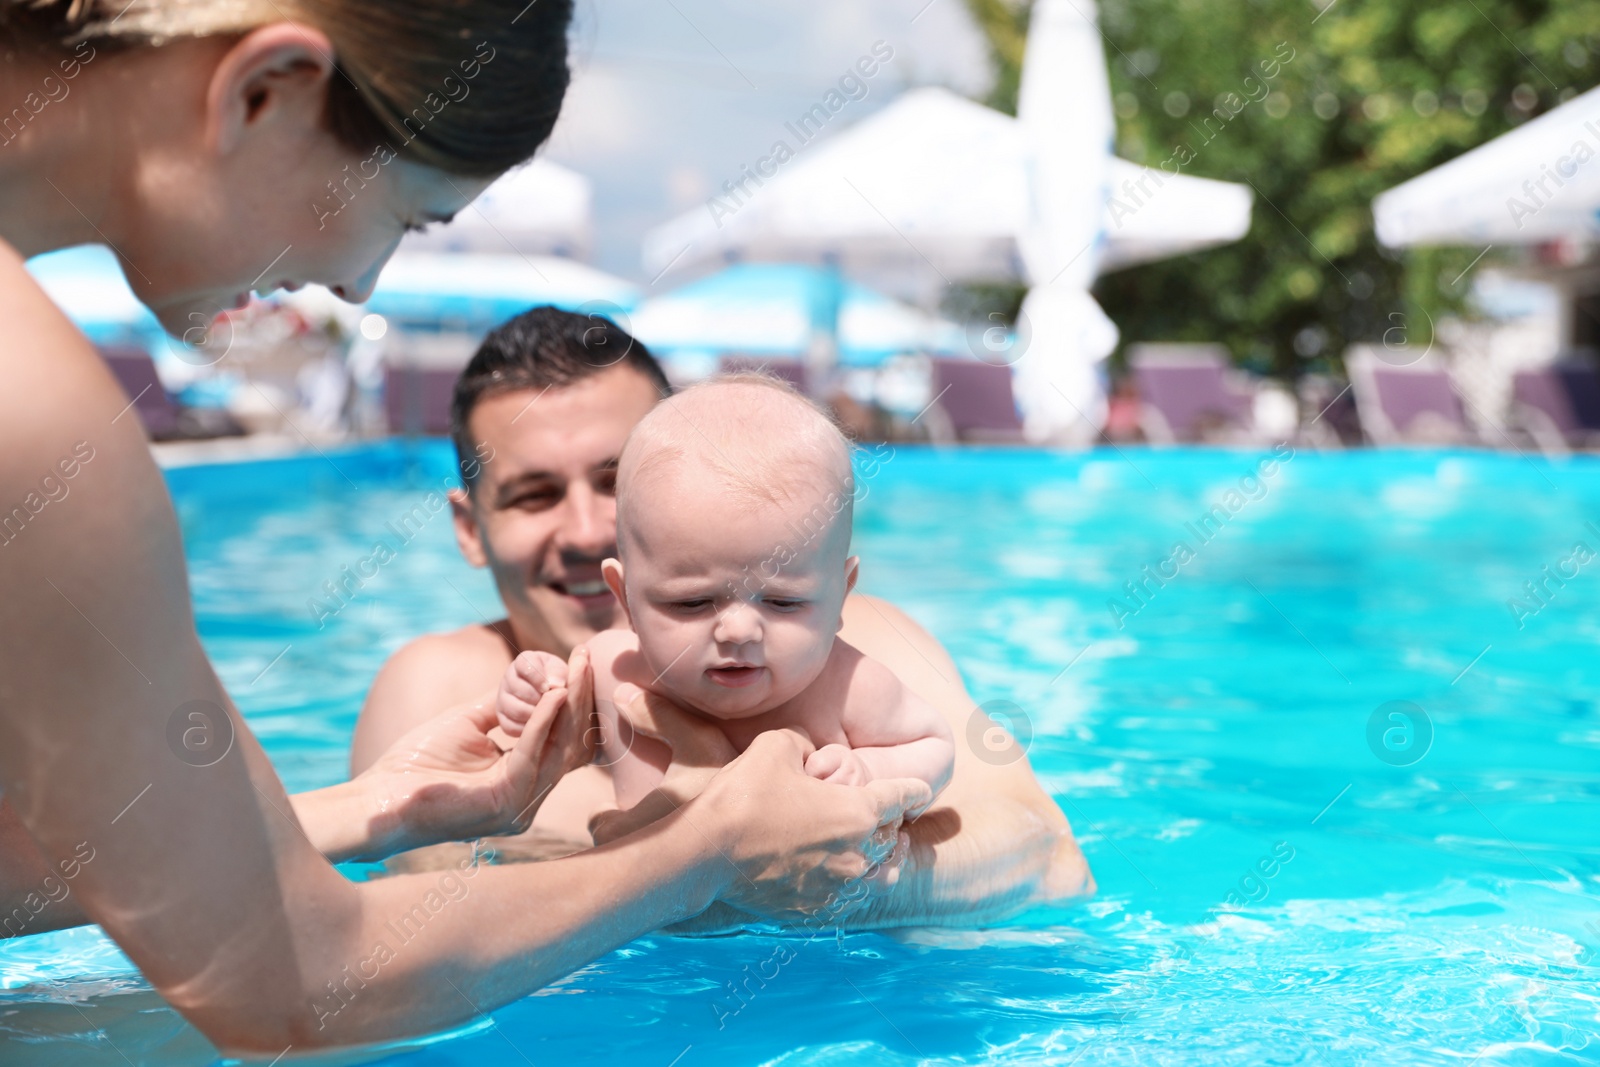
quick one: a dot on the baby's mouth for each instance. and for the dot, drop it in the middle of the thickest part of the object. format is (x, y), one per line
(734, 677)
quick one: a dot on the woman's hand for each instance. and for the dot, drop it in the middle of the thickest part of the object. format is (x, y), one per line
(448, 779)
(802, 849)
(805, 851)
(699, 751)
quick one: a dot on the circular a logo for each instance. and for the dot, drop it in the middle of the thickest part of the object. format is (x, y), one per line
(1399, 348)
(997, 344)
(608, 335)
(207, 338)
(1399, 733)
(200, 733)
(999, 732)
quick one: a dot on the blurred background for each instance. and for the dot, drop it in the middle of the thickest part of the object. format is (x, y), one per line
(984, 221)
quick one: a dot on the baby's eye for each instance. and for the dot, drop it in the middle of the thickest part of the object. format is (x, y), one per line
(786, 605)
(689, 607)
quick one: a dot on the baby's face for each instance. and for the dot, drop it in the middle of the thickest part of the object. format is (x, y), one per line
(735, 607)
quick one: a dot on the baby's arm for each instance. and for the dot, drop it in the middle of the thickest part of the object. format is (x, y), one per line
(893, 733)
(530, 676)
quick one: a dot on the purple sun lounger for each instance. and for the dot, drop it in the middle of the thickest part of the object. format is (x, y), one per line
(135, 371)
(1558, 406)
(416, 400)
(1188, 393)
(975, 402)
(1405, 399)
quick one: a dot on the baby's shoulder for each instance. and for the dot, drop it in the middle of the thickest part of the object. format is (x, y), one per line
(611, 643)
(614, 655)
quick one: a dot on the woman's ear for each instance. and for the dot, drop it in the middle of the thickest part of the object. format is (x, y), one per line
(611, 571)
(278, 73)
(469, 538)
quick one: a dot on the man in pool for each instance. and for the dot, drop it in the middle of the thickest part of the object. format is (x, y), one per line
(737, 619)
(544, 407)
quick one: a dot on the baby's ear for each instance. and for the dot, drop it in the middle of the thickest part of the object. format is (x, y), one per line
(611, 571)
(852, 571)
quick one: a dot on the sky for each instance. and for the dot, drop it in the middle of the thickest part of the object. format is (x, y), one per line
(670, 98)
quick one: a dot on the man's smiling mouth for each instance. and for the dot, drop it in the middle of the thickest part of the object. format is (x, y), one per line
(597, 587)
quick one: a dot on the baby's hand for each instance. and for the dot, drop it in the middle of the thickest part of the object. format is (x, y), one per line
(838, 764)
(530, 676)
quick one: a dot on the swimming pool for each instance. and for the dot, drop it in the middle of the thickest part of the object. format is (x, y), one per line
(1334, 785)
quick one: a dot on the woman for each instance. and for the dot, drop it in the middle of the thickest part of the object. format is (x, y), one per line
(220, 146)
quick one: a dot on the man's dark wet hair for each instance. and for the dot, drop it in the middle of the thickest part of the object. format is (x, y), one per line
(542, 348)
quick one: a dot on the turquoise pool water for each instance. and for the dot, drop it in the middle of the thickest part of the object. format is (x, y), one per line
(1283, 879)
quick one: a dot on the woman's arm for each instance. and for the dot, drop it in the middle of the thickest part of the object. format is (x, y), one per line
(200, 870)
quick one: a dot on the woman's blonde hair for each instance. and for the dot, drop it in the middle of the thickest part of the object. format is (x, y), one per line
(471, 87)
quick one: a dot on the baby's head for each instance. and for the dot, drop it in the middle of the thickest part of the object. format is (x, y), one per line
(734, 501)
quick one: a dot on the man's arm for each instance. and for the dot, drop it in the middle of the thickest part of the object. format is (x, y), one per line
(993, 841)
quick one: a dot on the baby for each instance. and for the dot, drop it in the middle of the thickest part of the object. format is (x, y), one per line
(734, 503)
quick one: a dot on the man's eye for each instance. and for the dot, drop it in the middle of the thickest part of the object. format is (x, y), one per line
(535, 501)
(606, 482)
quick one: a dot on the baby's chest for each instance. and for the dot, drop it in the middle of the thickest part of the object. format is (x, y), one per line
(822, 729)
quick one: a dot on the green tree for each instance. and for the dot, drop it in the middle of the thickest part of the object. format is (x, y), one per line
(1362, 95)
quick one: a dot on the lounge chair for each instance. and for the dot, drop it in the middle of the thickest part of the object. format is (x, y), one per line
(973, 401)
(1190, 392)
(1404, 399)
(1558, 406)
(416, 400)
(136, 372)
(792, 371)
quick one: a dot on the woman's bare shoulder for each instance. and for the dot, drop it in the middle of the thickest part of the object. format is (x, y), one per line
(54, 390)
(21, 297)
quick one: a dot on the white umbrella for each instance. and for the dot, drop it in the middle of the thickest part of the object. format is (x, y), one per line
(932, 188)
(935, 189)
(1538, 183)
(768, 309)
(538, 209)
(486, 288)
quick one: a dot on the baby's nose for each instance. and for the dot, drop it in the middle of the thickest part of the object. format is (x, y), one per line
(740, 624)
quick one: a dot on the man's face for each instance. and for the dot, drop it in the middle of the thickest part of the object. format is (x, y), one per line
(543, 514)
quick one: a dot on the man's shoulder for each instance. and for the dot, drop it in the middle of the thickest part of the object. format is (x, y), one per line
(424, 677)
(468, 651)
